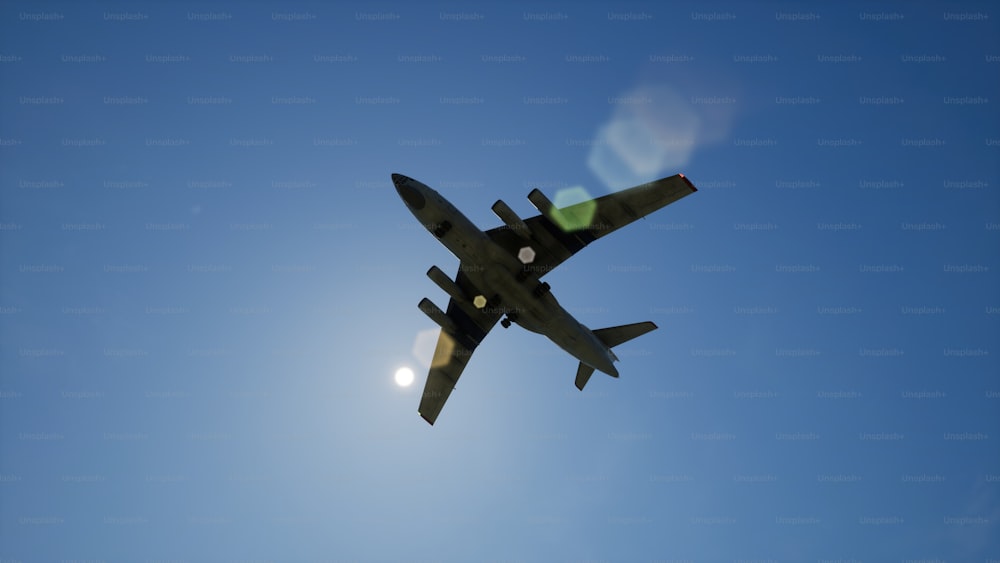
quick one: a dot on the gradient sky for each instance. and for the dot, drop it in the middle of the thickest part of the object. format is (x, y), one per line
(207, 282)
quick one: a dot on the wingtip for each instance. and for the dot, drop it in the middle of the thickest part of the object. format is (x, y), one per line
(429, 421)
(688, 182)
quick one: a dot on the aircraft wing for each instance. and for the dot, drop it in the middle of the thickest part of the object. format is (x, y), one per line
(561, 233)
(454, 348)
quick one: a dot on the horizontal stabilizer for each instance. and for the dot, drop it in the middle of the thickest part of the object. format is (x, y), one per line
(583, 374)
(615, 335)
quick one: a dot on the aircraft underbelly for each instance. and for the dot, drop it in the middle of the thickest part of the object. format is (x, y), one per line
(493, 271)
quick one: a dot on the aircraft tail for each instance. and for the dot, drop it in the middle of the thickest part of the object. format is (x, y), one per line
(612, 336)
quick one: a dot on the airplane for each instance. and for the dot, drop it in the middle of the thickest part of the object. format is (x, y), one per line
(500, 270)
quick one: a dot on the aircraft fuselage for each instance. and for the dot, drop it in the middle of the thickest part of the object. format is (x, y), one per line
(496, 273)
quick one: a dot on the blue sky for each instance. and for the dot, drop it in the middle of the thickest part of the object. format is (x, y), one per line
(207, 282)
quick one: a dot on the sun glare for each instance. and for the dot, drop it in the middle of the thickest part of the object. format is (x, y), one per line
(404, 377)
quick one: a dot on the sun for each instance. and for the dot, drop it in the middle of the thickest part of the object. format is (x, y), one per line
(404, 377)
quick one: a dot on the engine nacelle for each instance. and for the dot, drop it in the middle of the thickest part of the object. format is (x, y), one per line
(447, 284)
(542, 203)
(518, 226)
(437, 315)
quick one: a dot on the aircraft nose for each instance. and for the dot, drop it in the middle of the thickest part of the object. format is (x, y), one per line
(408, 192)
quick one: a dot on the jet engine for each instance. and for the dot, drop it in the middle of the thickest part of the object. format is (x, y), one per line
(447, 284)
(437, 315)
(542, 203)
(518, 226)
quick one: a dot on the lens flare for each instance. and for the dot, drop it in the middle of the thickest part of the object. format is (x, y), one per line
(404, 377)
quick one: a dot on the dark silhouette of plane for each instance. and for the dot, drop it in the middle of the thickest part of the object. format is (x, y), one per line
(500, 270)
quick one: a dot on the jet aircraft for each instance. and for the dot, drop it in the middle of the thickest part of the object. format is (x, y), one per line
(500, 271)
